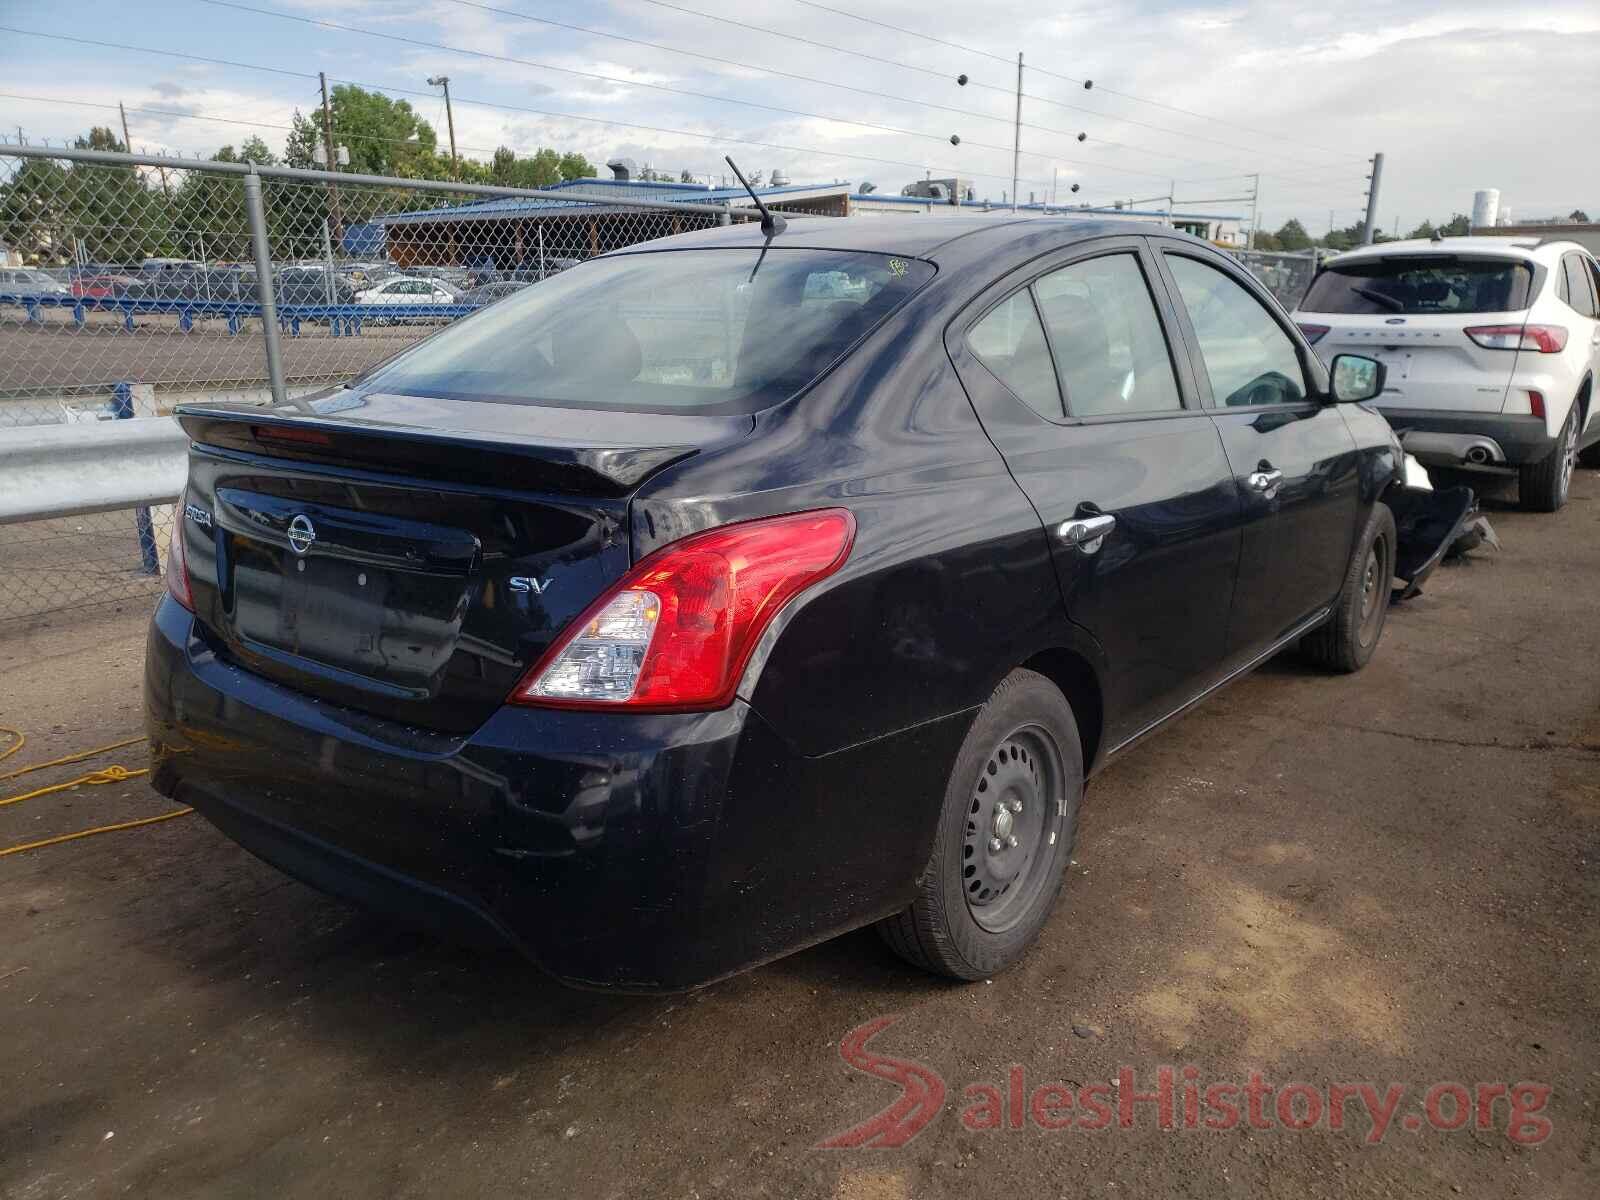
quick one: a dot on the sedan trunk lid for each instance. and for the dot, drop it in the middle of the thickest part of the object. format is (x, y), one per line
(409, 556)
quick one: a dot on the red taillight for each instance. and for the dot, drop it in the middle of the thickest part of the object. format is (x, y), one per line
(1536, 403)
(1546, 339)
(177, 562)
(1314, 333)
(675, 633)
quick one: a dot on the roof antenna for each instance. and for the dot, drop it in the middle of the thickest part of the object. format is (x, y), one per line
(771, 223)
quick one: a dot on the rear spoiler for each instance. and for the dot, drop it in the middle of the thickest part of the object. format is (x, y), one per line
(501, 462)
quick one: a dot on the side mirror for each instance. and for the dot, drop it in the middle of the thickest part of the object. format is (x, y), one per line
(1355, 378)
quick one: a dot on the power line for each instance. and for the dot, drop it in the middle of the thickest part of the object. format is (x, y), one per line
(352, 29)
(717, 17)
(538, 112)
(1057, 75)
(729, 62)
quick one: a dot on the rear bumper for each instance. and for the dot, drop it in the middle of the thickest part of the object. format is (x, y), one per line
(646, 852)
(1443, 439)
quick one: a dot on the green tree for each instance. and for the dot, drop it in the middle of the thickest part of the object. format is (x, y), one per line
(1577, 217)
(300, 148)
(384, 136)
(1293, 236)
(1266, 241)
(112, 213)
(1425, 230)
(576, 166)
(254, 150)
(1457, 226)
(36, 213)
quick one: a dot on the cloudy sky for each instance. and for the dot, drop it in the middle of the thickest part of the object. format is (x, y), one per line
(1191, 97)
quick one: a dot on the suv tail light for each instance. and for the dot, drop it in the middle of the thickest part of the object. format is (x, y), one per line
(1546, 339)
(1314, 333)
(177, 563)
(675, 632)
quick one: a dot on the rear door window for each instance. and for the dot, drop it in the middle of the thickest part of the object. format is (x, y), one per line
(1010, 342)
(1421, 284)
(1580, 295)
(1249, 358)
(1107, 338)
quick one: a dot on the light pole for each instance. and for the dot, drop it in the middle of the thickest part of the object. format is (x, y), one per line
(443, 81)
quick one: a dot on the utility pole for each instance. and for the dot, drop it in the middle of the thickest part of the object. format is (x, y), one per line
(1371, 227)
(1255, 200)
(127, 142)
(1016, 142)
(450, 119)
(328, 155)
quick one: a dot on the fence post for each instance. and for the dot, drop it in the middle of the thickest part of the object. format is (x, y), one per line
(149, 561)
(269, 307)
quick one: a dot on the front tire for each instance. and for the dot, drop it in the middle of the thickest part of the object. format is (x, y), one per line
(1006, 832)
(1543, 486)
(1348, 640)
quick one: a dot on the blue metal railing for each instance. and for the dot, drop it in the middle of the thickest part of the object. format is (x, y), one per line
(343, 319)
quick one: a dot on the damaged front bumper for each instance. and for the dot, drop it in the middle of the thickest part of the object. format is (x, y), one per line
(1428, 524)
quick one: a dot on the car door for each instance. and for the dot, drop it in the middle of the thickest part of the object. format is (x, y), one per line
(1292, 454)
(1069, 363)
(1583, 298)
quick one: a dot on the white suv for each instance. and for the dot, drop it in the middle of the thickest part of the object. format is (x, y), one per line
(1492, 346)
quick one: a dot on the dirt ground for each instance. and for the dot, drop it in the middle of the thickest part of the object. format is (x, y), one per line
(1386, 879)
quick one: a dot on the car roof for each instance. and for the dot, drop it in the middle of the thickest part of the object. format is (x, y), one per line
(912, 236)
(1530, 249)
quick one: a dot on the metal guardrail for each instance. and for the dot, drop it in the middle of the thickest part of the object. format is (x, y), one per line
(62, 470)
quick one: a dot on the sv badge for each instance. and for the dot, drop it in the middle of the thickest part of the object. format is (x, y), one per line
(527, 583)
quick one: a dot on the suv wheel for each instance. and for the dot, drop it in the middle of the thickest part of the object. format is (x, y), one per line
(1349, 638)
(1543, 485)
(1006, 832)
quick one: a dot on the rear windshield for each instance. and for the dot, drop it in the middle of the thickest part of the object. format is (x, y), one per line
(698, 331)
(1433, 283)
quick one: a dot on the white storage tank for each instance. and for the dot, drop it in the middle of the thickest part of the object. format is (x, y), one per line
(1485, 208)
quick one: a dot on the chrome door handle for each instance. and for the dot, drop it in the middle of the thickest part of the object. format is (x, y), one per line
(1086, 533)
(1265, 482)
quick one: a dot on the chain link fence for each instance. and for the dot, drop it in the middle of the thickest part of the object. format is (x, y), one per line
(131, 285)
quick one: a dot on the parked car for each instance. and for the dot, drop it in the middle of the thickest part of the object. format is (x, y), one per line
(488, 293)
(1492, 346)
(222, 285)
(101, 285)
(365, 275)
(677, 613)
(529, 273)
(311, 285)
(162, 266)
(407, 289)
(30, 282)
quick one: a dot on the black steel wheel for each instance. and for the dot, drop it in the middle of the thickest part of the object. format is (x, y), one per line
(1005, 835)
(1347, 641)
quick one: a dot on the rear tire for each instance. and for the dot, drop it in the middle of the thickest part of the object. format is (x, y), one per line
(1348, 640)
(1543, 486)
(1005, 836)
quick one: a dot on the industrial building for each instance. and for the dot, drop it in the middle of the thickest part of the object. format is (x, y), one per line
(518, 232)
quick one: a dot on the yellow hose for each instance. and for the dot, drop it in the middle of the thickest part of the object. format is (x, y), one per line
(111, 774)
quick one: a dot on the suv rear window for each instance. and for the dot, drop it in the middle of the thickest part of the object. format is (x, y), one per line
(686, 331)
(1421, 284)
